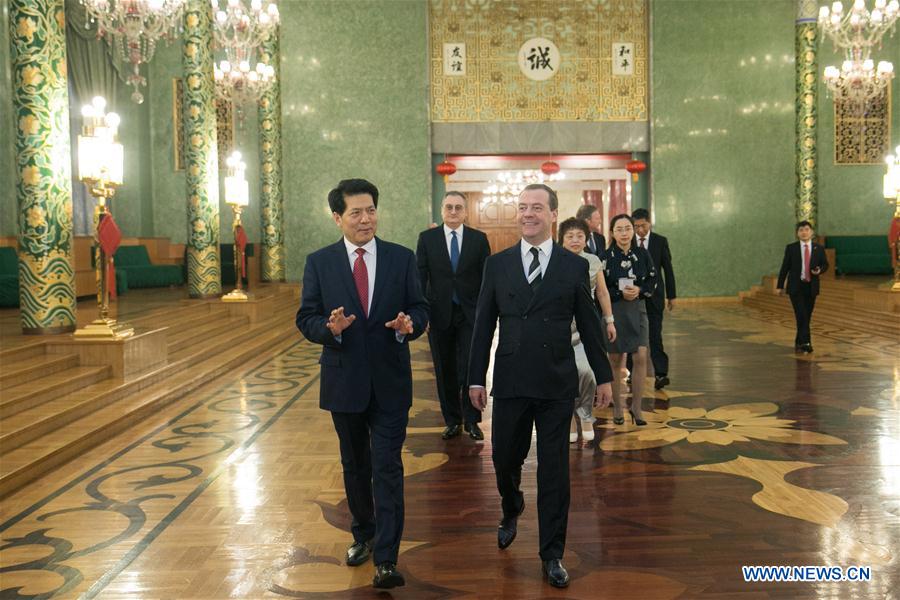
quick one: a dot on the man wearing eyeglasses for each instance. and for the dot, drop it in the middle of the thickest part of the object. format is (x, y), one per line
(451, 261)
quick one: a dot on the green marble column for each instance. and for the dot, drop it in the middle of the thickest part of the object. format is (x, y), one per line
(201, 153)
(271, 197)
(640, 189)
(43, 165)
(806, 202)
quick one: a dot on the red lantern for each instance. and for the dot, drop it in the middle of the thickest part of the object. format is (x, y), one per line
(550, 168)
(446, 169)
(634, 167)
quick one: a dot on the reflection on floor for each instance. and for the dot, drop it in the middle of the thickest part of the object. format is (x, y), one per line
(753, 456)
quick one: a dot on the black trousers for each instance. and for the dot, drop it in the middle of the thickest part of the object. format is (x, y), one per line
(450, 353)
(803, 302)
(371, 443)
(657, 354)
(511, 428)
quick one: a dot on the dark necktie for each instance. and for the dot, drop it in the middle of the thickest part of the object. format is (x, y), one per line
(361, 278)
(454, 259)
(806, 274)
(534, 270)
(591, 245)
(642, 243)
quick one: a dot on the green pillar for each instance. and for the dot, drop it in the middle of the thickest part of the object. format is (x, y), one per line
(806, 201)
(640, 189)
(43, 165)
(271, 197)
(201, 153)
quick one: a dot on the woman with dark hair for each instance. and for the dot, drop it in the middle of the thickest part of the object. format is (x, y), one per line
(630, 277)
(573, 234)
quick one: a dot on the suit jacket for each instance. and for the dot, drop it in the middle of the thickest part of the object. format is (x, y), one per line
(792, 267)
(599, 245)
(437, 276)
(658, 247)
(534, 357)
(368, 358)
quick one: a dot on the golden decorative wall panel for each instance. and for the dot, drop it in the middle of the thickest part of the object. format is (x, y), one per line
(494, 88)
(862, 139)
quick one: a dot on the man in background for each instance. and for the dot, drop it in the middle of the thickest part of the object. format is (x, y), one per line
(596, 243)
(804, 260)
(658, 247)
(451, 260)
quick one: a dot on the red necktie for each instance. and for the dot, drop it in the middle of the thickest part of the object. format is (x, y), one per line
(642, 243)
(361, 277)
(807, 276)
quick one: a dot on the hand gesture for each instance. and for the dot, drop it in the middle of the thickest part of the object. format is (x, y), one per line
(478, 398)
(631, 292)
(671, 304)
(602, 398)
(338, 322)
(816, 271)
(402, 324)
(780, 291)
(611, 332)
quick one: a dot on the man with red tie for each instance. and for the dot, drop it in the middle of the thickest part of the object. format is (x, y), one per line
(804, 261)
(363, 303)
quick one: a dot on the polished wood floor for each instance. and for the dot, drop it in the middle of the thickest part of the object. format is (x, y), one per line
(753, 456)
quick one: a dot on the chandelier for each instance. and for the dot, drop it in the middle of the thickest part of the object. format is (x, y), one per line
(856, 33)
(509, 184)
(239, 32)
(133, 28)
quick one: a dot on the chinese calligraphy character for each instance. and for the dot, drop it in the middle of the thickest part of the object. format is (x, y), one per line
(625, 63)
(623, 50)
(456, 66)
(455, 53)
(539, 58)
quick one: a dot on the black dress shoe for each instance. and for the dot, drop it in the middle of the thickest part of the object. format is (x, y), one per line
(507, 530)
(807, 348)
(451, 431)
(661, 382)
(358, 553)
(387, 576)
(556, 573)
(474, 431)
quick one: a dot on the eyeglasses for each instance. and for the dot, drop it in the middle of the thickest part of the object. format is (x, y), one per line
(622, 230)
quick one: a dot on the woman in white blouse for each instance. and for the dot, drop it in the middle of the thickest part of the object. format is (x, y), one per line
(573, 234)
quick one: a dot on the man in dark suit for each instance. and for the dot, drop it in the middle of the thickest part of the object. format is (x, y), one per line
(451, 261)
(804, 261)
(596, 243)
(535, 288)
(658, 247)
(362, 301)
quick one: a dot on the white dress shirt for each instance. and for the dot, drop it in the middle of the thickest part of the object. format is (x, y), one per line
(646, 240)
(544, 251)
(369, 258)
(804, 276)
(448, 238)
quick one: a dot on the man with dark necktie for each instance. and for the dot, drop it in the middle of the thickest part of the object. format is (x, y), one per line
(804, 261)
(590, 214)
(451, 260)
(535, 289)
(363, 303)
(658, 247)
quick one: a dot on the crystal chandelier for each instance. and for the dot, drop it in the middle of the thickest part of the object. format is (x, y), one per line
(133, 28)
(857, 33)
(239, 32)
(509, 185)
